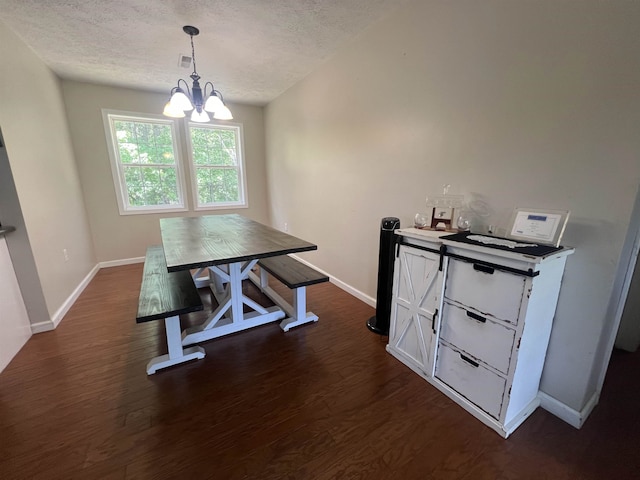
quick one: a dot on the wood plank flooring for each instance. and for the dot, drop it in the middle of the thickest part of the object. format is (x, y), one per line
(323, 401)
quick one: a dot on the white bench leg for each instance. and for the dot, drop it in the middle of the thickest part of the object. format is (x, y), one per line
(298, 314)
(264, 279)
(176, 353)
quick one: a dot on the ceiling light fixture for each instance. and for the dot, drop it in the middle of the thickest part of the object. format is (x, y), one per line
(183, 100)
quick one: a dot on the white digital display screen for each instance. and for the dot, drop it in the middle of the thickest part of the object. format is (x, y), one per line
(535, 226)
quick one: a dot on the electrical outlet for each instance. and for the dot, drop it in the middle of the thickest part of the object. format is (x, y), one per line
(286, 227)
(65, 254)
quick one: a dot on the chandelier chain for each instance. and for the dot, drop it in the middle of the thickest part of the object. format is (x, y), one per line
(193, 56)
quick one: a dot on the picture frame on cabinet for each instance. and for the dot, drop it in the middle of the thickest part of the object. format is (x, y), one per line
(542, 226)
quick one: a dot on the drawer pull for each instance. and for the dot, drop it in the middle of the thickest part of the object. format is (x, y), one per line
(433, 321)
(483, 268)
(477, 317)
(469, 361)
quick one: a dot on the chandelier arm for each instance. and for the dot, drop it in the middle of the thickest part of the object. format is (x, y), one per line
(217, 92)
(186, 88)
(204, 90)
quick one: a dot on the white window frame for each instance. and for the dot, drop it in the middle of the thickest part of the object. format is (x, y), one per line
(110, 116)
(243, 202)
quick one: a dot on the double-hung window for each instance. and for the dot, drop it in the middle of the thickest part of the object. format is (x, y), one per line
(148, 170)
(217, 166)
(145, 163)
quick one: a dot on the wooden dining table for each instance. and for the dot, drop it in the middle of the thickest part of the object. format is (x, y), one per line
(227, 247)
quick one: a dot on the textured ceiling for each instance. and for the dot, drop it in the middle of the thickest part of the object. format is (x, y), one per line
(252, 50)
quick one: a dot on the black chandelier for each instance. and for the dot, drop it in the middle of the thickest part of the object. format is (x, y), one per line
(184, 99)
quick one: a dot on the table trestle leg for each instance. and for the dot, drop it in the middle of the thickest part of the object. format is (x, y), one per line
(199, 279)
(217, 280)
(211, 322)
(229, 317)
(254, 305)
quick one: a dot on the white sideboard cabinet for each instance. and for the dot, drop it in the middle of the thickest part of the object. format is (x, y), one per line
(475, 322)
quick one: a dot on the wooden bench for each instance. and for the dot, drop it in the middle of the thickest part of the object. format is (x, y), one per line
(167, 295)
(296, 276)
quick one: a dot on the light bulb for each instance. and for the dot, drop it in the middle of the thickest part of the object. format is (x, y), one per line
(180, 101)
(223, 114)
(213, 103)
(169, 111)
(200, 117)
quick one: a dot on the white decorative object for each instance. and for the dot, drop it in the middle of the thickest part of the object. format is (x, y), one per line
(443, 208)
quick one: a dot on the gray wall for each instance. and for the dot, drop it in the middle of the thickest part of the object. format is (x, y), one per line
(628, 337)
(517, 104)
(118, 236)
(45, 190)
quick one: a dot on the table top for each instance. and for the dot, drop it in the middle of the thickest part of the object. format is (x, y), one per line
(193, 242)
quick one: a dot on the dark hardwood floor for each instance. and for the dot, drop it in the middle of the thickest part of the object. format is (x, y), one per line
(322, 401)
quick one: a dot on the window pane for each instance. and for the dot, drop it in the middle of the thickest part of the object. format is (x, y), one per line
(163, 152)
(128, 152)
(218, 165)
(151, 186)
(216, 185)
(124, 131)
(147, 171)
(213, 146)
(162, 135)
(143, 132)
(146, 143)
(141, 142)
(135, 188)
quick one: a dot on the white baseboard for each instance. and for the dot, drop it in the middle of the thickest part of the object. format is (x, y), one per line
(573, 417)
(42, 327)
(342, 285)
(118, 263)
(61, 312)
(57, 317)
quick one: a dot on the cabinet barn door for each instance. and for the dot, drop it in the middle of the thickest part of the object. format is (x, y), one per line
(415, 299)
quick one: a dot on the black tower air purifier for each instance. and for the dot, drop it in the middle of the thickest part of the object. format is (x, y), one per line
(379, 323)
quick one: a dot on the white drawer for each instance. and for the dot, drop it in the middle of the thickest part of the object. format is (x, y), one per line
(474, 382)
(479, 336)
(489, 291)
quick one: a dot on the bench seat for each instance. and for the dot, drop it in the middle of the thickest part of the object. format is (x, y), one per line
(167, 295)
(291, 272)
(296, 276)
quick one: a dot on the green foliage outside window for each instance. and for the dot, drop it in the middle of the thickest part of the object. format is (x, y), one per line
(215, 156)
(147, 168)
(146, 152)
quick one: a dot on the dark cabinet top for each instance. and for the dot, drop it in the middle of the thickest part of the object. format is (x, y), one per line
(192, 242)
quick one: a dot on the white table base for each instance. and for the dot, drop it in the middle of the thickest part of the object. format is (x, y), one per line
(226, 284)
